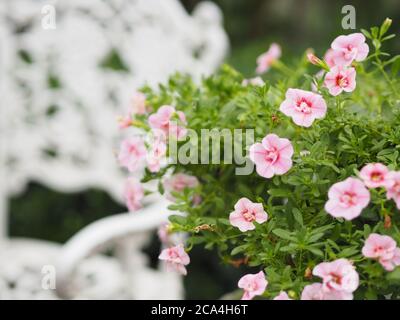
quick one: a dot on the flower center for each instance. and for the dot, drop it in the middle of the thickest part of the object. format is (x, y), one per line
(249, 216)
(350, 52)
(348, 199)
(173, 255)
(378, 249)
(133, 150)
(251, 287)
(336, 278)
(342, 81)
(376, 176)
(303, 106)
(271, 155)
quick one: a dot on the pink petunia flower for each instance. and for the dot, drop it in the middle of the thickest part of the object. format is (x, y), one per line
(340, 79)
(178, 183)
(376, 175)
(138, 103)
(253, 285)
(163, 233)
(282, 296)
(273, 156)
(303, 106)
(132, 153)
(347, 199)
(315, 292)
(125, 121)
(133, 194)
(138, 107)
(156, 156)
(349, 48)
(383, 249)
(329, 58)
(312, 292)
(176, 259)
(338, 276)
(170, 121)
(265, 60)
(257, 81)
(393, 192)
(246, 212)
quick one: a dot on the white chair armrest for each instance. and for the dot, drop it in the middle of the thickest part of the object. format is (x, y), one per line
(103, 232)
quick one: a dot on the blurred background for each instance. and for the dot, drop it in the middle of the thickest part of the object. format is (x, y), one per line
(39, 212)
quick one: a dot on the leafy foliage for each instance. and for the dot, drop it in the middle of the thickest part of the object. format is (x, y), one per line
(359, 128)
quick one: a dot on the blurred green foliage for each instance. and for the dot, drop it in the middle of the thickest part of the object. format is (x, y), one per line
(295, 24)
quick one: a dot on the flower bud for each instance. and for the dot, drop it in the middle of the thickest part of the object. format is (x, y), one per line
(385, 26)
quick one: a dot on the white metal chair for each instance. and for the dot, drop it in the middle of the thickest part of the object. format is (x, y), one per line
(60, 98)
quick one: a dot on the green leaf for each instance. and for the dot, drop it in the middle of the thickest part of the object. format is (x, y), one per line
(284, 234)
(298, 217)
(181, 220)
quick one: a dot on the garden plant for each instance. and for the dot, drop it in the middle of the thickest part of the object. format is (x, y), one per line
(319, 216)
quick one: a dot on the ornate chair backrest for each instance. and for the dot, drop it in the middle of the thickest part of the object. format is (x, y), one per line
(70, 67)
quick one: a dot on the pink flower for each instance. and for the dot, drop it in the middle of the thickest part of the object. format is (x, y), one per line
(176, 259)
(163, 233)
(157, 154)
(393, 192)
(329, 58)
(138, 103)
(303, 106)
(138, 107)
(347, 199)
(282, 296)
(383, 249)
(246, 212)
(132, 153)
(272, 156)
(338, 276)
(257, 81)
(340, 79)
(375, 175)
(125, 121)
(315, 292)
(178, 183)
(133, 194)
(313, 59)
(349, 48)
(168, 120)
(253, 285)
(265, 60)
(312, 292)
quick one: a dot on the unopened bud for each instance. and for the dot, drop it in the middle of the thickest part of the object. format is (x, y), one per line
(388, 222)
(308, 273)
(385, 26)
(313, 59)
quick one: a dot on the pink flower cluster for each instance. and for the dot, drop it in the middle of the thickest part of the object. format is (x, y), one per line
(339, 281)
(344, 50)
(383, 249)
(166, 122)
(178, 183)
(348, 198)
(133, 194)
(138, 107)
(169, 121)
(135, 155)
